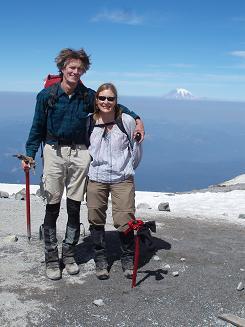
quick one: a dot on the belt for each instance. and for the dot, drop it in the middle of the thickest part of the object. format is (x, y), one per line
(66, 143)
(59, 140)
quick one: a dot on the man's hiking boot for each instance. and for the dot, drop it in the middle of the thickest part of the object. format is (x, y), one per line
(72, 268)
(53, 271)
(102, 274)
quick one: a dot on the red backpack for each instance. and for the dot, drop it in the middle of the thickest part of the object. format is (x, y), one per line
(51, 79)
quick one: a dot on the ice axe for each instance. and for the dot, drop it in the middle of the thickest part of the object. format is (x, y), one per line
(30, 163)
(142, 231)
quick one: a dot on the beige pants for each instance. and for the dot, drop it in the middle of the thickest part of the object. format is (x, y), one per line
(65, 167)
(123, 202)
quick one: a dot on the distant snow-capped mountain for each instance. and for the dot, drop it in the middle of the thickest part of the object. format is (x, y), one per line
(180, 94)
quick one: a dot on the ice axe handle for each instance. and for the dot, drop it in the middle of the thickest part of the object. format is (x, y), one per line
(28, 210)
(136, 260)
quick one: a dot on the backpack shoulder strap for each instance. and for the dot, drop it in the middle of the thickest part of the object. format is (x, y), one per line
(53, 96)
(120, 125)
(91, 125)
(118, 121)
(83, 92)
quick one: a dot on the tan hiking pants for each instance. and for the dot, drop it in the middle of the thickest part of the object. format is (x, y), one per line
(65, 167)
(123, 202)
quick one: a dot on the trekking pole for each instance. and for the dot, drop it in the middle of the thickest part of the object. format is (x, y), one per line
(28, 209)
(30, 163)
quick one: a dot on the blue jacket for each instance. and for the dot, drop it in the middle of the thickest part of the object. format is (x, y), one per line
(65, 120)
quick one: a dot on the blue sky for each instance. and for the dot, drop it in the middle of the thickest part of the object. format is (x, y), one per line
(143, 47)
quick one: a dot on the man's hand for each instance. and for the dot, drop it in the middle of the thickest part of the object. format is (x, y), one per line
(139, 129)
(26, 162)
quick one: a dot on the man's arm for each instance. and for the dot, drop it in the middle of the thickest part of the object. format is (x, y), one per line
(38, 128)
(139, 124)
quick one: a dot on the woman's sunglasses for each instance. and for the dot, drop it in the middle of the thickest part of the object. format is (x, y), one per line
(110, 99)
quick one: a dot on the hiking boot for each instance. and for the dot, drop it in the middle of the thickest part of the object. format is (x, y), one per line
(102, 269)
(53, 271)
(102, 274)
(128, 273)
(68, 248)
(72, 268)
(99, 246)
(127, 266)
(127, 257)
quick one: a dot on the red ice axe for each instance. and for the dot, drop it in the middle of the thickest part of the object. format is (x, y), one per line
(142, 230)
(28, 209)
(29, 163)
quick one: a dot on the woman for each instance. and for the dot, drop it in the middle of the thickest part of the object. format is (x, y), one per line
(115, 155)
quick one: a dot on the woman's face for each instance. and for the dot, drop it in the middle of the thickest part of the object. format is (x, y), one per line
(106, 101)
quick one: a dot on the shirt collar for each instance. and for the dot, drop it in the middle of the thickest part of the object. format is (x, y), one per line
(76, 91)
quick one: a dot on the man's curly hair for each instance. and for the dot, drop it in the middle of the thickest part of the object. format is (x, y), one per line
(67, 54)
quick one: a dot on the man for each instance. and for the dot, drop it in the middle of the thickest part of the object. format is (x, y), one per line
(60, 122)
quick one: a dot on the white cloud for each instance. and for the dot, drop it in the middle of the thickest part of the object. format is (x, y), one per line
(238, 19)
(118, 16)
(140, 75)
(240, 53)
(182, 65)
(166, 76)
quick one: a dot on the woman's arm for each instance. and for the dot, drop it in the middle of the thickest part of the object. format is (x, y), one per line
(137, 151)
(139, 128)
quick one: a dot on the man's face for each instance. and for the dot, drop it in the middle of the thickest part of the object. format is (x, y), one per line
(72, 71)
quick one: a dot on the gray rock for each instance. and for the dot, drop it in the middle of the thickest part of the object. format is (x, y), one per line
(98, 302)
(21, 195)
(11, 239)
(240, 286)
(156, 258)
(175, 273)
(241, 216)
(166, 267)
(4, 194)
(143, 206)
(163, 206)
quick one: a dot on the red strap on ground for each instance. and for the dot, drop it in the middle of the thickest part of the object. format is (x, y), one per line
(134, 224)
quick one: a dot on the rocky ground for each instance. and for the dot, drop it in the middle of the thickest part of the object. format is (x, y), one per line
(189, 280)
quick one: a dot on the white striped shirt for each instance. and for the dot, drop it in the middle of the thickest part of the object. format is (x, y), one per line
(113, 160)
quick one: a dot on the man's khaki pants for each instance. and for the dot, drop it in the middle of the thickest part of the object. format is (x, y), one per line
(65, 167)
(123, 202)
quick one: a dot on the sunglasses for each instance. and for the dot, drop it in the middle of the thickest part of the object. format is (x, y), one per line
(110, 99)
